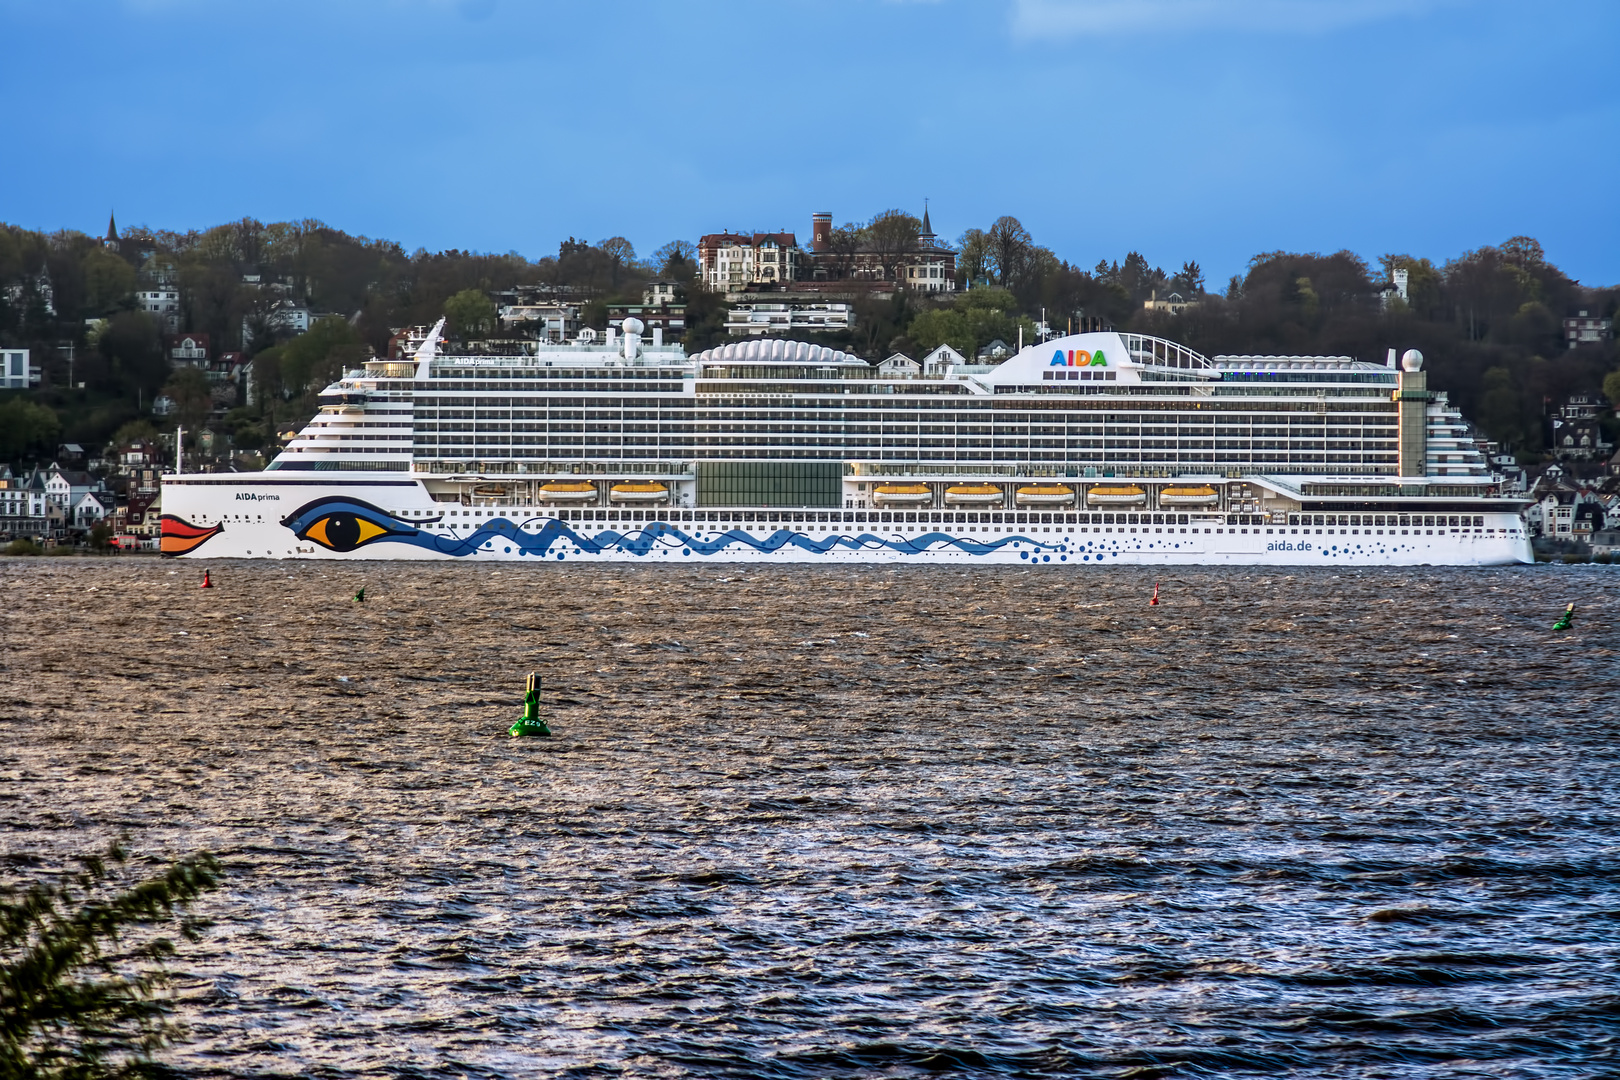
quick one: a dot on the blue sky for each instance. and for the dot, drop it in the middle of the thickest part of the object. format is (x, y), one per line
(1186, 129)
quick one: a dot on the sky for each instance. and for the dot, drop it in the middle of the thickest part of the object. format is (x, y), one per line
(1209, 130)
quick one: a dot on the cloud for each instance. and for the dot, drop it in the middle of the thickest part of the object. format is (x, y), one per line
(1034, 19)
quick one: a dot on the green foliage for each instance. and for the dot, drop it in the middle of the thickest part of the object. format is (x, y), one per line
(135, 429)
(974, 319)
(133, 354)
(1501, 407)
(24, 547)
(101, 534)
(108, 281)
(1611, 388)
(81, 976)
(319, 355)
(471, 314)
(28, 431)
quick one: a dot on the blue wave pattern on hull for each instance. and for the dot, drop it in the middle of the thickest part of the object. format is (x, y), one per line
(345, 525)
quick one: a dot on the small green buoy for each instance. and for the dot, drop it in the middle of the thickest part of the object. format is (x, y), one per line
(530, 722)
(1566, 618)
(360, 597)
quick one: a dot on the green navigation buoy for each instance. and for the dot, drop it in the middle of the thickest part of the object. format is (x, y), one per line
(360, 597)
(1566, 618)
(530, 723)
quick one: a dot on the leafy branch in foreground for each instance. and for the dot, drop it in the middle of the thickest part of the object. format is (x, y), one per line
(81, 976)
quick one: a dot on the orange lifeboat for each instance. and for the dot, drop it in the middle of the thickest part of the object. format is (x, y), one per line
(903, 495)
(974, 495)
(563, 491)
(1115, 495)
(650, 492)
(1045, 495)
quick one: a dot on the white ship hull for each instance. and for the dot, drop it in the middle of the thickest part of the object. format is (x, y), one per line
(393, 517)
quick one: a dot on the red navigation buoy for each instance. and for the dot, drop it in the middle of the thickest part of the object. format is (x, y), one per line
(207, 584)
(1155, 601)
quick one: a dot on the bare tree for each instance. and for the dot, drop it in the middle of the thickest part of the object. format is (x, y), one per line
(844, 244)
(1009, 243)
(892, 238)
(677, 260)
(620, 253)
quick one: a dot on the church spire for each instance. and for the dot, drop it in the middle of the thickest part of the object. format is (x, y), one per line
(112, 231)
(926, 234)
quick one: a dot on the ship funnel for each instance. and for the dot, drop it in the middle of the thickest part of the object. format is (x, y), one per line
(428, 350)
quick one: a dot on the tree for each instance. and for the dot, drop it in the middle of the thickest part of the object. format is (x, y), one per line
(27, 430)
(470, 313)
(1611, 388)
(843, 245)
(108, 281)
(974, 319)
(81, 969)
(319, 355)
(973, 258)
(1008, 242)
(891, 237)
(134, 353)
(677, 261)
(1139, 278)
(620, 253)
(1190, 281)
(1501, 408)
(1422, 282)
(193, 400)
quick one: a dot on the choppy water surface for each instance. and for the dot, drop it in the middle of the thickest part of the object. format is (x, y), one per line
(809, 822)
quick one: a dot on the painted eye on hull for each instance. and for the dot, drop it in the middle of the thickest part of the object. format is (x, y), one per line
(343, 524)
(342, 532)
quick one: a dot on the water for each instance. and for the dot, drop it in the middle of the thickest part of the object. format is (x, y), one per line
(809, 822)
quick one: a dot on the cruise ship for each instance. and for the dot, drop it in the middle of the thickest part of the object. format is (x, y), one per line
(1095, 449)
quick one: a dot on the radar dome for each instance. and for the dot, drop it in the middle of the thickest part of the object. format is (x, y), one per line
(633, 326)
(1411, 360)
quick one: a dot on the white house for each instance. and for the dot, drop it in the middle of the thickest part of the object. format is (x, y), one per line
(65, 487)
(941, 360)
(90, 508)
(162, 302)
(899, 366)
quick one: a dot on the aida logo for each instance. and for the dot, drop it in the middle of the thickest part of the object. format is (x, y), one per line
(1078, 358)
